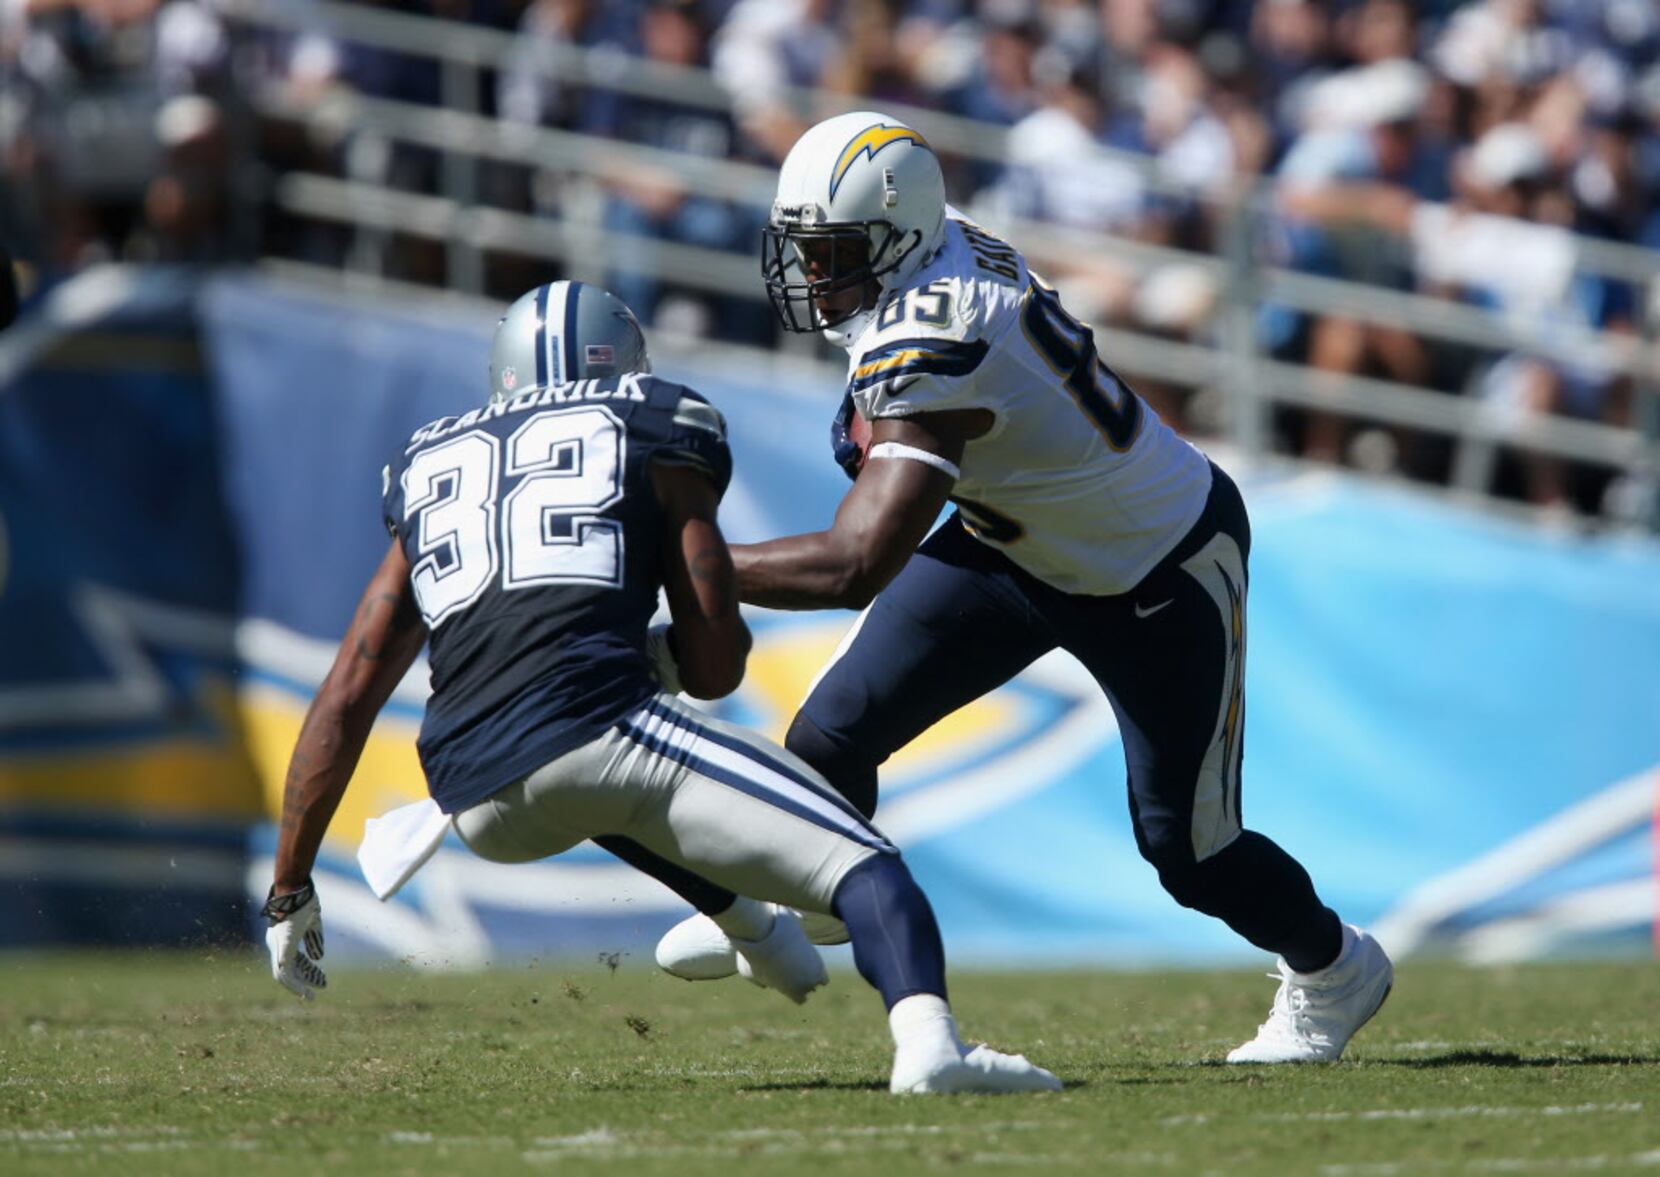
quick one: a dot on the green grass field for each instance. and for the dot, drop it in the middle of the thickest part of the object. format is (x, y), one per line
(184, 1064)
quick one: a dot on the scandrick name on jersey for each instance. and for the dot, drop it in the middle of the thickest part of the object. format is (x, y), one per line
(626, 388)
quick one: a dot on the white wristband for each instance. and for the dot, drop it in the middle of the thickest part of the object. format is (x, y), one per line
(898, 449)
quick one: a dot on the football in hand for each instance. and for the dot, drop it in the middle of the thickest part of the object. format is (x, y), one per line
(858, 432)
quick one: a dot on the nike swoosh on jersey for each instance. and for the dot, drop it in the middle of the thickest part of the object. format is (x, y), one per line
(894, 388)
(1144, 613)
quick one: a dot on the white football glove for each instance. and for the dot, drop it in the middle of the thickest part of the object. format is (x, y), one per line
(295, 940)
(662, 659)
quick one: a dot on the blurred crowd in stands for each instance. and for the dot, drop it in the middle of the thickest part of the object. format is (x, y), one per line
(1445, 148)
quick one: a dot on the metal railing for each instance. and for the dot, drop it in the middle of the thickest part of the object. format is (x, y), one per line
(1251, 383)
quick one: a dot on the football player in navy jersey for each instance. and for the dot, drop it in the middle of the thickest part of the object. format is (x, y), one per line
(1083, 522)
(530, 538)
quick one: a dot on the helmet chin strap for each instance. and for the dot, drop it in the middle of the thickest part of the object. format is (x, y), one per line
(845, 332)
(899, 259)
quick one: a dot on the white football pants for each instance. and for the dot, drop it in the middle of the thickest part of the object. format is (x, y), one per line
(717, 799)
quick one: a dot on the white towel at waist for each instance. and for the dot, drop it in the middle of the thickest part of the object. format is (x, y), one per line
(397, 844)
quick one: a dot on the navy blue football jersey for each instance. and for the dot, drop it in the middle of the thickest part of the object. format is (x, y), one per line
(535, 546)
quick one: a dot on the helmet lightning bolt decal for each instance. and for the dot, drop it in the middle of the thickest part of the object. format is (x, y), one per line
(868, 142)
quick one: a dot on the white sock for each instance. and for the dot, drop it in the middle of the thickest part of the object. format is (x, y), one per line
(1345, 950)
(923, 1021)
(746, 919)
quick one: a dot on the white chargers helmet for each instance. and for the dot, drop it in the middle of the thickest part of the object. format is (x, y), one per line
(560, 332)
(860, 208)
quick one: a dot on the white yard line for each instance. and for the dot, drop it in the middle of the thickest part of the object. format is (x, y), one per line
(1495, 1165)
(92, 1133)
(603, 1144)
(436, 1141)
(1432, 1113)
(115, 1139)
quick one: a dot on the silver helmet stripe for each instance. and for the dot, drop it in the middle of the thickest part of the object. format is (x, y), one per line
(557, 325)
(541, 336)
(573, 296)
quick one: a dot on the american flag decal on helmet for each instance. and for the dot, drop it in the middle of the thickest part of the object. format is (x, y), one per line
(600, 353)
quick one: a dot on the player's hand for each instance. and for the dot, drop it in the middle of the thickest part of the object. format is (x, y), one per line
(663, 662)
(295, 940)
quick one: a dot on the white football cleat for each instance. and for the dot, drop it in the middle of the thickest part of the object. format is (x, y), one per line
(696, 949)
(981, 1069)
(1315, 1014)
(784, 959)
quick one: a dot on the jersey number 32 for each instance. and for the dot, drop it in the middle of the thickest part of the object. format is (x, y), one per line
(545, 531)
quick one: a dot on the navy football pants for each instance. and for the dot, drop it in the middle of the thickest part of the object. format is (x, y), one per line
(962, 618)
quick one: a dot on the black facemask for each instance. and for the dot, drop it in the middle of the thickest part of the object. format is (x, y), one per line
(843, 254)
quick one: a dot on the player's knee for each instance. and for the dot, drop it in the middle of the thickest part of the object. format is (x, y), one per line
(884, 875)
(1212, 885)
(1191, 884)
(853, 776)
(1188, 885)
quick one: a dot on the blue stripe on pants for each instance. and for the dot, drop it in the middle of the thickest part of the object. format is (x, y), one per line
(756, 753)
(854, 829)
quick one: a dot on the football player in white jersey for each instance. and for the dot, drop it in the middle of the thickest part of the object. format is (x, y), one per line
(1082, 522)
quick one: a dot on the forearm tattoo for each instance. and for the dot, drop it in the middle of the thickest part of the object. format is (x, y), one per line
(403, 616)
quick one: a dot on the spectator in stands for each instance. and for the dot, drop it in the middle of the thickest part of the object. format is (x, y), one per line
(1646, 156)
(1200, 139)
(1501, 47)
(529, 89)
(100, 99)
(1550, 107)
(185, 203)
(764, 48)
(1172, 121)
(1343, 190)
(875, 62)
(1505, 245)
(999, 85)
(1612, 195)
(84, 107)
(1057, 172)
(1378, 30)
(644, 203)
(1290, 51)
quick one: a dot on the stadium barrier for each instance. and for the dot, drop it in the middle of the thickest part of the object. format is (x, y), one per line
(1451, 719)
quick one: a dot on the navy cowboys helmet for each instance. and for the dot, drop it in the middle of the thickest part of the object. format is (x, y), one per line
(860, 207)
(560, 332)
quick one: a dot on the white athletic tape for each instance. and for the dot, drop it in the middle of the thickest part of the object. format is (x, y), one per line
(898, 449)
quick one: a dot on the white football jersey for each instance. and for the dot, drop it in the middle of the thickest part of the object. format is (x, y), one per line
(1078, 481)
